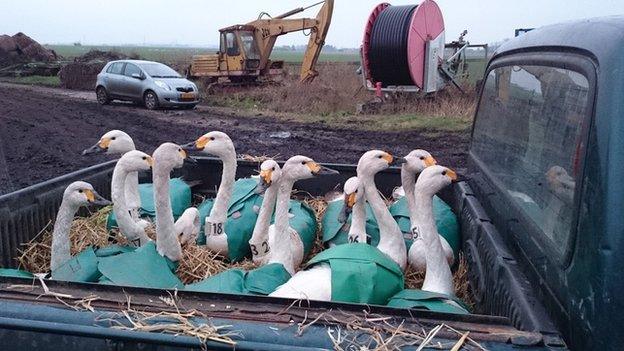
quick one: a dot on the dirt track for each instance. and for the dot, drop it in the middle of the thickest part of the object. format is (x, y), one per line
(43, 131)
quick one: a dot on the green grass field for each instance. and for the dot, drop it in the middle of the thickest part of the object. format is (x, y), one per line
(178, 54)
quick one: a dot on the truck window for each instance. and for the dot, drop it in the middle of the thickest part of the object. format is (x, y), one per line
(528, 135)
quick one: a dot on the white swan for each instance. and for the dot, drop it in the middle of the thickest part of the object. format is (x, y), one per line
(220, 145)
(415, 162)
(438, 276)
(117, 142)
(315, 283)
(285, 243)
(77, 194)
(391, 240)
(270, 174)
(353, 204)
(128, 165)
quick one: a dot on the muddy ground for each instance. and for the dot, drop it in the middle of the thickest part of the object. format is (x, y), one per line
(43, 131)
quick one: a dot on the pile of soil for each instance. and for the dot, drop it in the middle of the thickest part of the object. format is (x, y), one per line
(21, 48)
(42, 135)
(82, 73)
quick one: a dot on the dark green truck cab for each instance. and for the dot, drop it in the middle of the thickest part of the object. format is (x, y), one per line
(541, 219)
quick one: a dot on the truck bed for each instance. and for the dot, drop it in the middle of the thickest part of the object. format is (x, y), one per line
(507, 314)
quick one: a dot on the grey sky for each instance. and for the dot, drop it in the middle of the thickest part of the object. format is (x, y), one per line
(195, 22)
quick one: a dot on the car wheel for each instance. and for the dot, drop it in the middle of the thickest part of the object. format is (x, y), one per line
(150, 100)
(102, 96)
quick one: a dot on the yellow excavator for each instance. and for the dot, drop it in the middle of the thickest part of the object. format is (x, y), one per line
(245, 49)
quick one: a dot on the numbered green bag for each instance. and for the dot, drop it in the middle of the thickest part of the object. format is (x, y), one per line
(361, 274)
(336, 233)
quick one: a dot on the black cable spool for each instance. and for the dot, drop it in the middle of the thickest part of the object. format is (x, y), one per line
(388, 46)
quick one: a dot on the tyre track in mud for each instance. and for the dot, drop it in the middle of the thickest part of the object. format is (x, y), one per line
(42, 133)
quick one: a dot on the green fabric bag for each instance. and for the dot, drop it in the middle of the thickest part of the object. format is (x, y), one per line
(144, 267)
(179, 192)
(361, 274)
(113, 250)
(83, 267)
(260, 281)
(446, 222)
(337, 233)
(303, 221)
(241, 218)
(426, 300)
(15, 273)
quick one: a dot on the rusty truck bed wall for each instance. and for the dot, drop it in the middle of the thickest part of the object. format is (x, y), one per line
(499, 287)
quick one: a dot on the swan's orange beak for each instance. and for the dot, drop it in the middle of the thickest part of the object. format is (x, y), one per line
(150, 161)
(201, 143)
(104, 143)
(388, 158)
(451, 174)
(89, 194)
(351, 199)
(430, 161)
(266, 176)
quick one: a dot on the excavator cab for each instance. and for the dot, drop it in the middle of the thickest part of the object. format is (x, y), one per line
(239, 52)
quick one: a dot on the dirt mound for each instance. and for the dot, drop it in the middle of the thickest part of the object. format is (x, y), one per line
(82, 73)
(21, 48)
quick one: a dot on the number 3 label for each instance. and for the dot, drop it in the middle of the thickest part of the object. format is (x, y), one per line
(214, 228)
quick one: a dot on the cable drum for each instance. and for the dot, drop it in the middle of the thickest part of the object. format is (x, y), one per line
(395, 39)
(388, 46)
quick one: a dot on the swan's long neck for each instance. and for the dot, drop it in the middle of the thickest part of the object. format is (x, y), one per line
(218, 213)
(127, 225)
(133, 199)
(281, 251)
(408, 181)
(261, 229)
(390, 237)
(61, 246)
(167, 242)
(438, 276)
(358, 221)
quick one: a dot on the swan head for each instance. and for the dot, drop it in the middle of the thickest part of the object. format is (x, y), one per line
(373, 162)
(417, 160)
(113, 142)
(302, 167)
(270, 173)
(214, 143)
(135, 161)
(82, 194)
(351, 197)
(435, 178)
(170, 156)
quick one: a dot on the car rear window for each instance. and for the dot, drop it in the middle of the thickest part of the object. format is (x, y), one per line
(115, 68)
(528, 133)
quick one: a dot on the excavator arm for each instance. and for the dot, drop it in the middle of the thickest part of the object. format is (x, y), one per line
(268, 30)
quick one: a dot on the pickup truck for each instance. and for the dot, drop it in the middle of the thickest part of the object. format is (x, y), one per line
(541, 218)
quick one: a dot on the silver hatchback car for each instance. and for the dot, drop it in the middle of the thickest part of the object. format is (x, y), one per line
(151, 83)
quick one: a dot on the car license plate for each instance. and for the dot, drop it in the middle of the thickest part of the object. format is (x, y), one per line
(187, 96)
